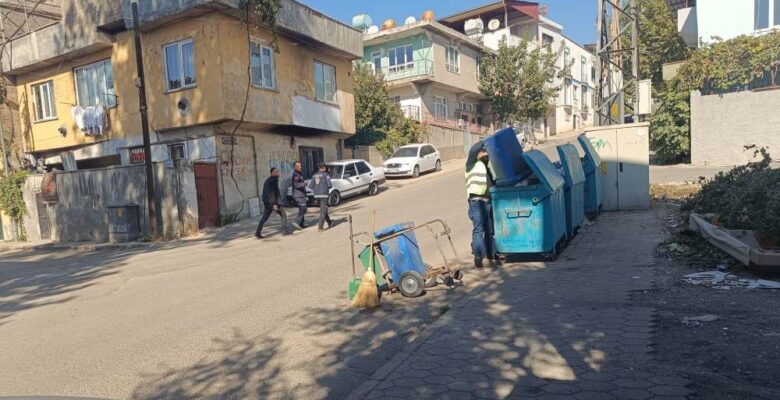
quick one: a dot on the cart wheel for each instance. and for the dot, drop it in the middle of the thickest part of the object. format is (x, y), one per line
(412, 284)
(458, 275)
(449, 281)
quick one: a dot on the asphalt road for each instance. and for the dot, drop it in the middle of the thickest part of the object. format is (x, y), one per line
(220, 315)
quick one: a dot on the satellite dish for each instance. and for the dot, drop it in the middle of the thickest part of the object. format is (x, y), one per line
(494, 24)
(410, 20)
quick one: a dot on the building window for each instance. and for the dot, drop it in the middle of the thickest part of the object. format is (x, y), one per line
(453, 60)
(462, 106)
(324, 82)
(397, 100)
(547, 40)
(584, 69)
(584, 96)
(401, 58)
(777, 12)
(377, 61)
(567, 92)
(311, 158)
(440, 107)
(761, 14)
(566, 58)
(95, 85)
(263, 68)
(179, 65)
(176, 151)
(43, 96)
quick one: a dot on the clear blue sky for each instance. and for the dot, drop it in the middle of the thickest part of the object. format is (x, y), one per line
(578, 17)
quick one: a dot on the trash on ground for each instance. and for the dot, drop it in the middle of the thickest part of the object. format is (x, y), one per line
(740, 244)
(695, 321)
(723, 280)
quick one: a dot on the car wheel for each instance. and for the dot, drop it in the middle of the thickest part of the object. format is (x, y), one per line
(412, 284)
(416, 171)
(334, 199)
(373, 189)
(438, 165)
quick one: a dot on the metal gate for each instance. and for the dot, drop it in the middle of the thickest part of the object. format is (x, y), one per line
(208, 194)
(43, 216)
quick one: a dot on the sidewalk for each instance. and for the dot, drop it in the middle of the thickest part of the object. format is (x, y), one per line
(560, 330)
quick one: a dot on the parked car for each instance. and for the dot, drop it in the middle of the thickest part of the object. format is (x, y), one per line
(350, 178)
(412, 160)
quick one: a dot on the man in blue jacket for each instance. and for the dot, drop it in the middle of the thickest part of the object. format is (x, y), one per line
(299, 194)
(271, 204)
(320, 185)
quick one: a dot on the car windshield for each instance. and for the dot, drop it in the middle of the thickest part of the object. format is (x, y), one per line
(336, 171)
(406, 152)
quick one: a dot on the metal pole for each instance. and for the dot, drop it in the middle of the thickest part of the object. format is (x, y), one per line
(600, 83)
(150, 191)
(635, 56)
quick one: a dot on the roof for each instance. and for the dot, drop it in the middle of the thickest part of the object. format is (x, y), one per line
(528, 8)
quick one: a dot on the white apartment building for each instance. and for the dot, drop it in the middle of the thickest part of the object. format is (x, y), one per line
(513, 20)
(727, 19)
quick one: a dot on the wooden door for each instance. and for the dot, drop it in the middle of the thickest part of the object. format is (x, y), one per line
(208, 194)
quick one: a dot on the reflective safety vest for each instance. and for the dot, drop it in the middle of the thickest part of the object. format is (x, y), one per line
(477, 180)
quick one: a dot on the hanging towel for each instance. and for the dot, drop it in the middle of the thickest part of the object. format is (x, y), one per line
(78, 117)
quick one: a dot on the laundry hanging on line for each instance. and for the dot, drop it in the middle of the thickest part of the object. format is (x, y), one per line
(92, 121)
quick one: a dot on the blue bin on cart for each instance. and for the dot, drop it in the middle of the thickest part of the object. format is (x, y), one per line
(506, 157)
(530, 217)
(591, 164)
(574, 187)
(403, 252)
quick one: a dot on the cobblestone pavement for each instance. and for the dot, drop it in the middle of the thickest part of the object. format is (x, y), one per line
(559, 330)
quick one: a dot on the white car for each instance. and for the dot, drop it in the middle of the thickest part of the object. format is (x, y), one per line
(412, 160)
(349, 178)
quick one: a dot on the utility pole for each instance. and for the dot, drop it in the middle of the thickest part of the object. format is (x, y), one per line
(139, 62)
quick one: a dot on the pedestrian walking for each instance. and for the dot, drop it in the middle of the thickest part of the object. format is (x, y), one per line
(271, 204)
(479, 179)
(299, 194)
(320, 185)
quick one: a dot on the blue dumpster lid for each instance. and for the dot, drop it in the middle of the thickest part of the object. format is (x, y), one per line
(392, 229)
(544, 170)
(590, 151)
(570, 159)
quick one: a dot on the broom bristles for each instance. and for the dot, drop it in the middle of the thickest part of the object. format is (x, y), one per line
(367, 295)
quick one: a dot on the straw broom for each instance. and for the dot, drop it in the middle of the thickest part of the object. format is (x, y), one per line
(367, 295)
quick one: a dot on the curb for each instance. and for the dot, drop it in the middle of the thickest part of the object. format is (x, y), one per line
(362, 391)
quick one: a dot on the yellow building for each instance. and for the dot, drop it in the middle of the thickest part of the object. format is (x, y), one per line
(219, 96)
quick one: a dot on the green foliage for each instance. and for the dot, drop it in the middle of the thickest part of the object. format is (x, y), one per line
(264, 13)
(659, 41)
(379, 121)
(11, 200)
(747, 197)
(737, 64)
(517, 79)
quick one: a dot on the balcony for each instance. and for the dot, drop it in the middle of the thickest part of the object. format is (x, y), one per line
(456, 124)
(411, 112)
(421, 69)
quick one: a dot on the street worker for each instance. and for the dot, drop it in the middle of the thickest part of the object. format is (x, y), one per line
(271, 204)
(299, 194)
(320, 185)
(479, 180)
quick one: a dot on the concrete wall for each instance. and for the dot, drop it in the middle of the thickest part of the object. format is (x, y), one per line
(714, 18)
(81, 212)
(721, 125)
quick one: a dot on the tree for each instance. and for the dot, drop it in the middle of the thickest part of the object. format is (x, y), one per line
(517, 80)
(379, 121)
(659, 41)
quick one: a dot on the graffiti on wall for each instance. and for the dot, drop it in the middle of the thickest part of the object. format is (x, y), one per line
(599, 143)
(283, 160)
(237, 155)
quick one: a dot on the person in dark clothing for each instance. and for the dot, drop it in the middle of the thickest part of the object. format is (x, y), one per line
(271, 203)
(320, 185)
(299, 194)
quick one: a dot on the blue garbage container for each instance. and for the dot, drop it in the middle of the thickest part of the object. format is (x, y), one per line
(402, 253)
(506, 157)
(574, 187)
(591, 165)
(530, 217)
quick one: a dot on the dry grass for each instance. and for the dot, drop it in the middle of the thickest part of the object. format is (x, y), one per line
(673, 191)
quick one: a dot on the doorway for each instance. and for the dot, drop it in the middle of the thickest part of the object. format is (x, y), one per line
(208, 194)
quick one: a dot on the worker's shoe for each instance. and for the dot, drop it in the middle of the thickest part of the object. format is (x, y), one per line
(478, 263)
(496, 262)
(259, 235)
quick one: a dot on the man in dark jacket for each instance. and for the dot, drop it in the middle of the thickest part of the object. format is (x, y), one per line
(299, 194)
(271, 203)
(320, 185)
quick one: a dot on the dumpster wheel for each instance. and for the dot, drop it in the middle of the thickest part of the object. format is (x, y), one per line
(411, 284)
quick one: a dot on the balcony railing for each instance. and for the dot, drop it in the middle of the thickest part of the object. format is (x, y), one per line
(408, 70)
(411, 112)
(457, 124)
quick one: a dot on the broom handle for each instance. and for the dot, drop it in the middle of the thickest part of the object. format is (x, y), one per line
(371, 255)
(352, 247)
